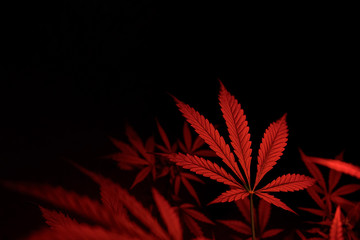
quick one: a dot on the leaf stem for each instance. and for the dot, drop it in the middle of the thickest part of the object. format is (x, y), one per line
(252, 217)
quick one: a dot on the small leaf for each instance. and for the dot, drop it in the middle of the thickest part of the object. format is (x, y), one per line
(187, 136)
(141, 176)
(163, 136)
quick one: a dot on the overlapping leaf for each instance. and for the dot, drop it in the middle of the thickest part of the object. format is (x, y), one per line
(327, 195)
(210, 135)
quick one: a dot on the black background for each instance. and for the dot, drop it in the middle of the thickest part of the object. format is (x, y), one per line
(77, 71)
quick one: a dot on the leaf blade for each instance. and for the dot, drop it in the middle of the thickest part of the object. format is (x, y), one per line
(336, 230)
(271, 148)
(230, 196)
(203, 167)
(288, 183)
(275, 201)
(237, 127)
(339, 166)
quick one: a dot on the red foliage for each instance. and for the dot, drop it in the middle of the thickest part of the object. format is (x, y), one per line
(271, 149)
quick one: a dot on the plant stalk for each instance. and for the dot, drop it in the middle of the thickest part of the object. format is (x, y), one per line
(252, 217)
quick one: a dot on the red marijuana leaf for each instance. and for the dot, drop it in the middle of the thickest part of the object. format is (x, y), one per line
(271, 148)
(325, 196)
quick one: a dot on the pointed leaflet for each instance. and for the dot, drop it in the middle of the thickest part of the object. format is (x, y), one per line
(271, 199)
(315, 196)
(163, 136)
(347, 189)
(334, 176)
(203, 167)
(339, 166)
(336, 230)
(210, 135)
(314, 211)
(141, 176)
(313, 169)
(190, 189)
(231, 195)
(136, 141)
(288, 183)
(169, 215)
(187, 136)
(271, 148)
(238, 128)
(197, 215)
(271, 232)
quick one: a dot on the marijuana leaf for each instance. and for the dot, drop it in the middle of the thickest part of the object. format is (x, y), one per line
(271, 148)
(326, 195)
